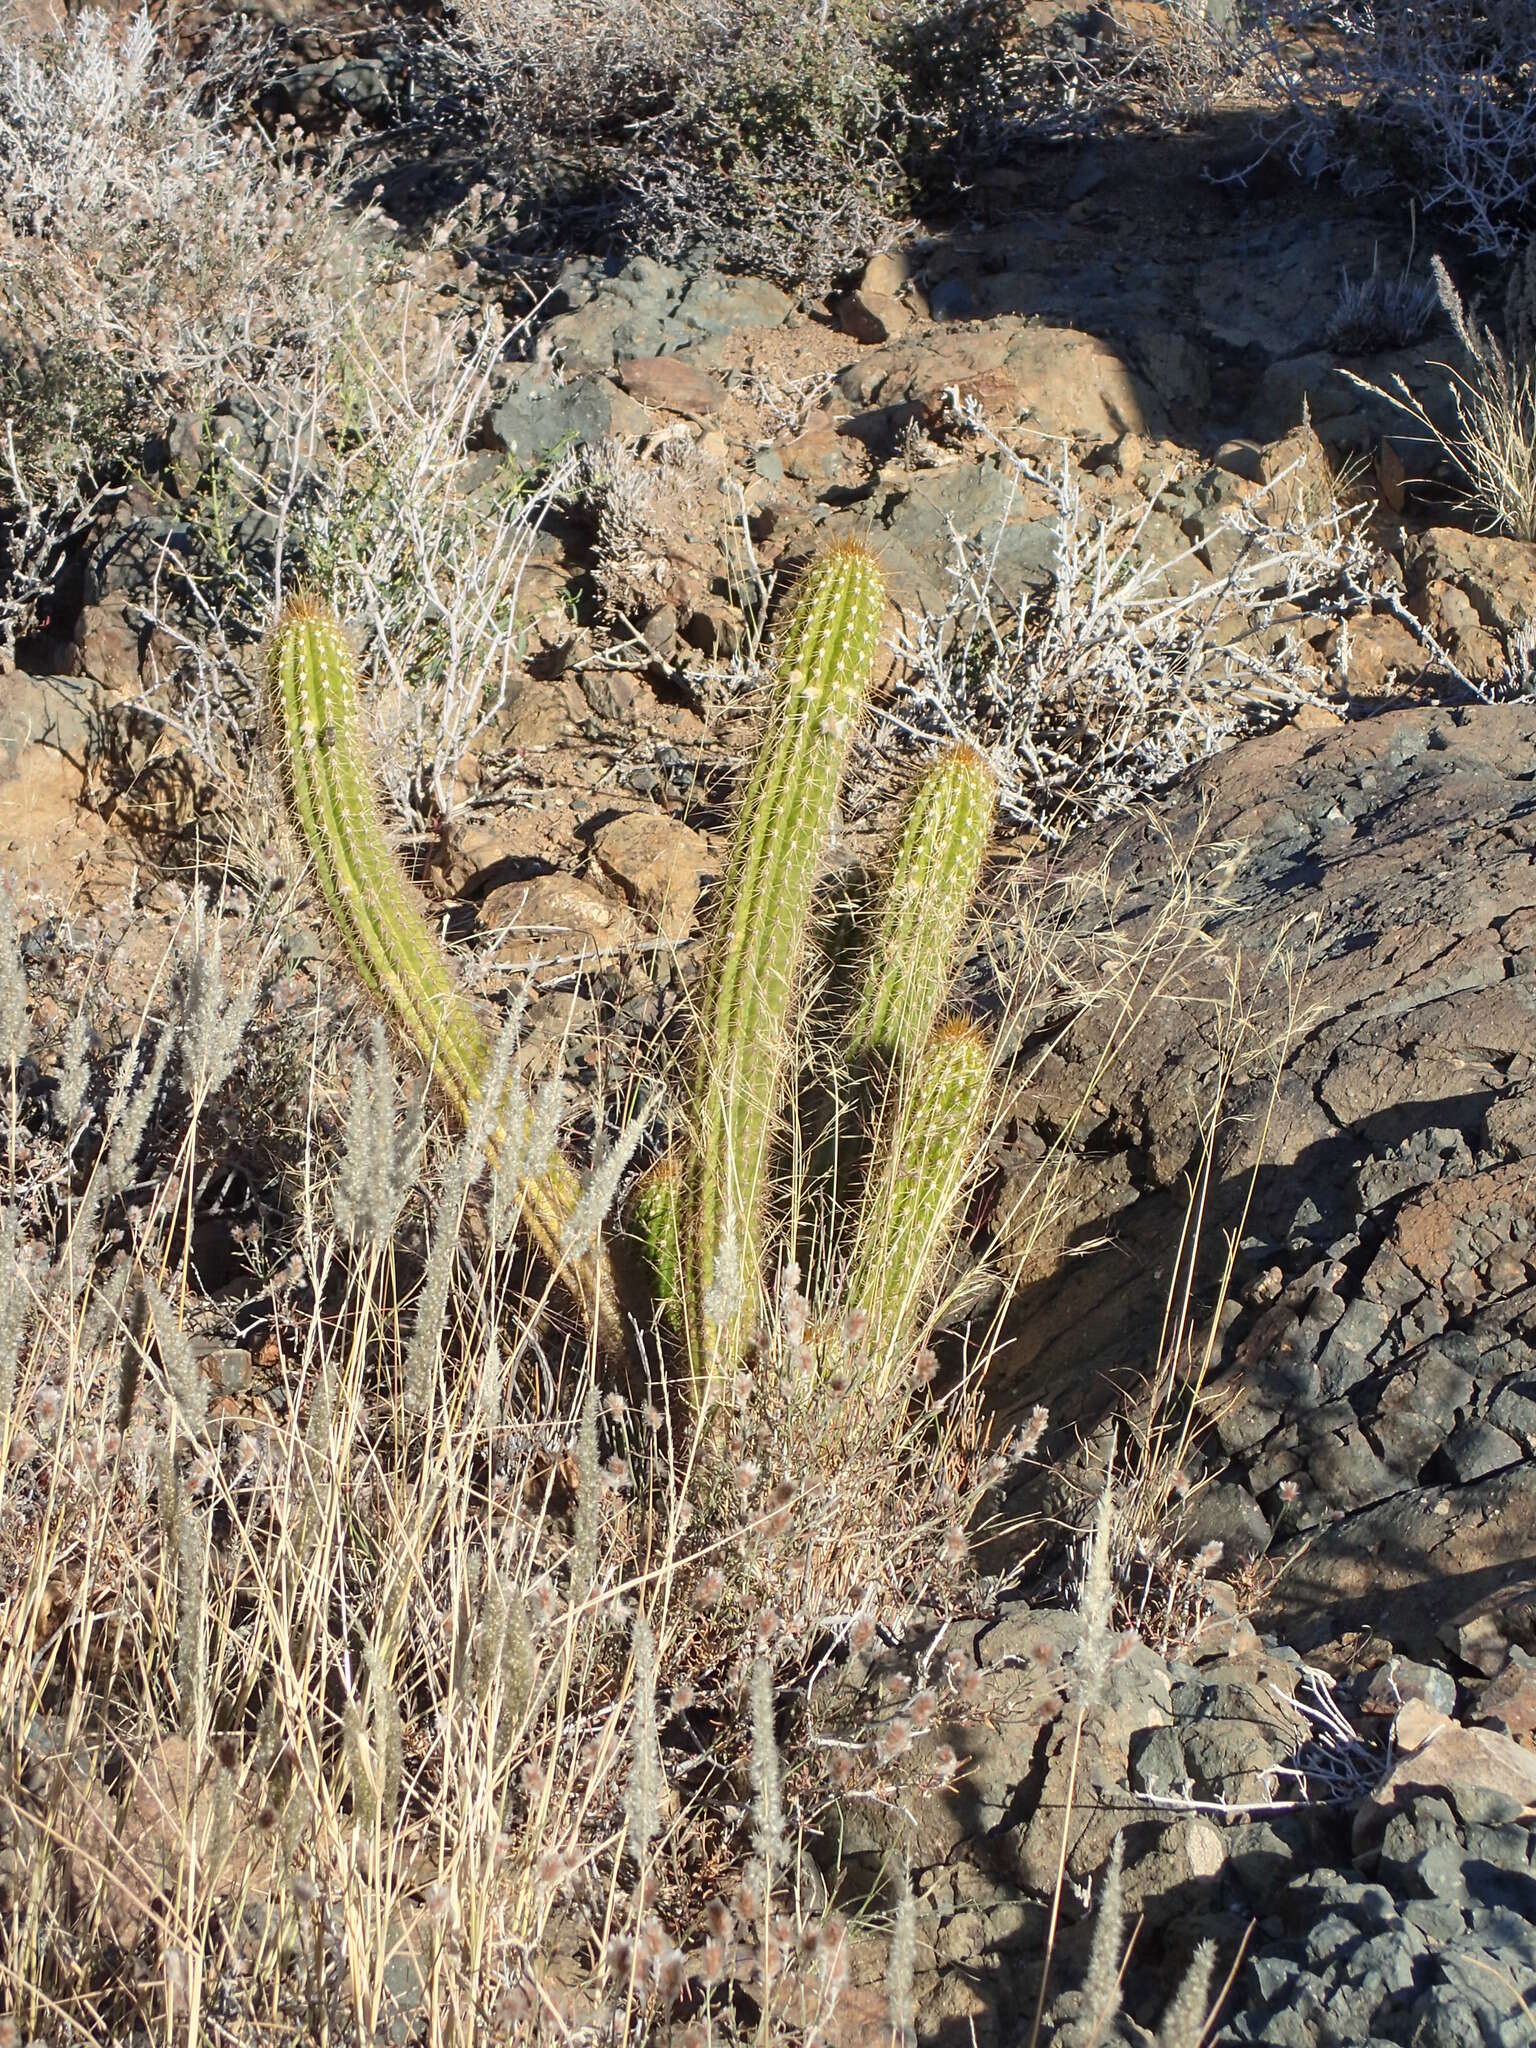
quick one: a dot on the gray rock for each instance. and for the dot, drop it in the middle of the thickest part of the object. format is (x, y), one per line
(649, 309)
(1343, 1362)
(1476, 1449)
(539, 414)
(1228, 1515)
(1157, 1762)
(951, 299)
(1401, 1679)
(1513, 1410)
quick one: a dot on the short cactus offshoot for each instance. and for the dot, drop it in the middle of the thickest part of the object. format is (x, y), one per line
(933, 882)
(314, 699)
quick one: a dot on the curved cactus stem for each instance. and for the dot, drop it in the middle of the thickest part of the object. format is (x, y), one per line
(910, 1210)
(330, 788)
(943, 842)
(824, 667)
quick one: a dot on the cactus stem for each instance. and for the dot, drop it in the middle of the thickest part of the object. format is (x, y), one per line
(330, 787)
(825, 662)
(911, 1204)
(937, 865)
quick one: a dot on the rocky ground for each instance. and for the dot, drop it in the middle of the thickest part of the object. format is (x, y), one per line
(1319, 1741)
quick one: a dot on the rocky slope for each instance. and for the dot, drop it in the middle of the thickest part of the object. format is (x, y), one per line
(1317, 1742)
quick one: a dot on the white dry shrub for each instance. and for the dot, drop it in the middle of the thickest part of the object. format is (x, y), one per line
(1438, 93)
(750, 132)
(1174, 66)
(149, 245)
(379, 502)
(1132, 666)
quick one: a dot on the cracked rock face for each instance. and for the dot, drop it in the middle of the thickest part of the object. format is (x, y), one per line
(1373, 1405)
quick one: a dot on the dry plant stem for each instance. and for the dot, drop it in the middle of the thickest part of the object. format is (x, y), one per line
(824, 669)
(332, 794)
(1061, 1879)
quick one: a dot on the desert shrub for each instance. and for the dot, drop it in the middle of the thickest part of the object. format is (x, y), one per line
(1433, 94)
(1171, 68)
(757, 134)
(371, 490)
(149, 246)
(155, 254)
(1130, 666)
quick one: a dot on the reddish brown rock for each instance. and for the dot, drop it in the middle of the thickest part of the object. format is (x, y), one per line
(660, 865)
(670, 384)
(872, 316)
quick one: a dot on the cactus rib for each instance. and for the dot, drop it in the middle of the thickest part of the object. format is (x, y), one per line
(824, 669)
(911, 1203)
(933, 880)
(330, 788)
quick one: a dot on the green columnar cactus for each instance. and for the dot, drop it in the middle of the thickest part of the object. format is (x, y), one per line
(933, 881)
(746, 1014)
(653, 1219)
(314, 693)
(911, 1205)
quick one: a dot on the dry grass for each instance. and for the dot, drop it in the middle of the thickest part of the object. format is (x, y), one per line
(325, 1699)
(1488, 433)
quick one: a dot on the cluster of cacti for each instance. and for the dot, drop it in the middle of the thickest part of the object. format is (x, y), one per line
(698, 1217)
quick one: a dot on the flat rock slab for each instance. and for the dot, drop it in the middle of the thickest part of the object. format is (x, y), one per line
(1374, 1389)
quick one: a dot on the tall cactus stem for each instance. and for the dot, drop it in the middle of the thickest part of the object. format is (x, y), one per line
(937, 866)
(911, 1205)
(330, 787)
(825, 663)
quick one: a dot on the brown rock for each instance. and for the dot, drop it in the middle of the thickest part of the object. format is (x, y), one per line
(672, 385)
(1391, 477)
(1437, 1756)
(125, 1850)
(1072, 384)
(1382, 655)
(106, 645)
(872, 317)
(660, 865)
(886, 273)
(1243, 459)
(555, 920)
(995, 393)
(820, 456)
(542, 711)
(1509, 1701)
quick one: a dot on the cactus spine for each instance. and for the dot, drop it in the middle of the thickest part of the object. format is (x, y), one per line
(911, 1205)
(314, 692)
(933, 881)
(824, 669)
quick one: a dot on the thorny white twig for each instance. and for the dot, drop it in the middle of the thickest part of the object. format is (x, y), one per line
(1114, 680)
(1334, 1767)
